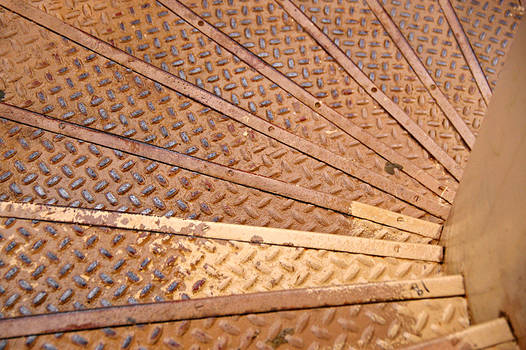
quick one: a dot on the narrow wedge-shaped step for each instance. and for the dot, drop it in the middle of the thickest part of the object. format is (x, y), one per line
(420, 42)
(277, 37)
(408, 123)
(444, 110)
(62, 259)
(495, 335)
(229, 231)
(292, 148)
(366, 315)
(47, 167)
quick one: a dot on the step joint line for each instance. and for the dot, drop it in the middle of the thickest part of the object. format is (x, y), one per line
(223, 231)
(467, 50)
(418, 67)
(392, 108)
(240, 304)
(149, 71)
(305, 97)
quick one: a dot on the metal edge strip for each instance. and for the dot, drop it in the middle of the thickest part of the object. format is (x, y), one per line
(309, 100)
(217, 230)
(232, 305)
(392, 108)
(281, 135)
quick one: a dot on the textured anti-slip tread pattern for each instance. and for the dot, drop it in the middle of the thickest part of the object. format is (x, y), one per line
(49, 266)
(44, 167)
(87, 90)
(355, 29)
(268, 31)
(490, 27)
(201, 61)
(371, 326)
(426, 29)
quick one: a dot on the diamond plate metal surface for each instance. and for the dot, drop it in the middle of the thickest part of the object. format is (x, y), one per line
(357, 31)
(429, 34)
(49, 267)
(194, 54)
(372, 326)
(303, 60)
(119, 101)
(490, 27)
(43, 167)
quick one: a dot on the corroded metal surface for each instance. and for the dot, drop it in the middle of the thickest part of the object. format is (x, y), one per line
(428, 33)
(254, 163)
(280, 41)
(467, 50)
(49, 267)
(443, 103)
(378, 326)
(44, 167)
(230, 305)
(192, 58)
(310, 100)
(394, 109)
(306, 109)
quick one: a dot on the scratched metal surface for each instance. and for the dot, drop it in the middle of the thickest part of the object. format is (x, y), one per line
(108, 98)
(44, 167)
(49, 266)
(371, 326)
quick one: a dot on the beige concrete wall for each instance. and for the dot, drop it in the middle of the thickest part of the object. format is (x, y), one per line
(485, 236)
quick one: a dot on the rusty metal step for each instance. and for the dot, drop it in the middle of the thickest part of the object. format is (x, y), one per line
(62, 259)
(299, 318)
(252, 162)
(371, 217)
(490, 27)
(49, 168)
(292, 39)
(156, 154)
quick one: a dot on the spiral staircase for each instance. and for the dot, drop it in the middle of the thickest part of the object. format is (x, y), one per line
(235, 174)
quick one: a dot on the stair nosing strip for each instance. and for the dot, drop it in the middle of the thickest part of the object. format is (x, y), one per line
(306, 98)
(240, 304)
(392, 108)
(158, 154)
(175, 83)
(418, 67)
(223, 231)
(222, 172)
(467, 50)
